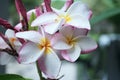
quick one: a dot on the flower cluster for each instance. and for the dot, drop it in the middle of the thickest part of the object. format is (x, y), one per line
(47, 36)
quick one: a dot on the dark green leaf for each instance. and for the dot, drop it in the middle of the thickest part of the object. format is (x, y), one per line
(11, 77)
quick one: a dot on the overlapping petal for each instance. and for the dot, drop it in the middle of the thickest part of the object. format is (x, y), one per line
(59, 42)
(33, 36)
(87, 44)
(29, 53)
(43, 19)
(53, 27)
(50, 65)
(10, 33)
(71, 54)
(70, 31)
(79, 22)
(79, 8)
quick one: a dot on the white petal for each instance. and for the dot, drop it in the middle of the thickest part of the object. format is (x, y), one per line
(53, 27)
(70, 31)
(59, 42)
(79, 8)
(80, 32)
(50, 65)
(3, 44)
(33, 36)
(87, 44)
(44, 19)
(79, 22)
(29, 53)
(72, 54)
(5, 58)
(10, 33)
(67, 31)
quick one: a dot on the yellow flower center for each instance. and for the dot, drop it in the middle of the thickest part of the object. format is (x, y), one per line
(45, 43)
(66, 17)
(12, 40)
(71, 41)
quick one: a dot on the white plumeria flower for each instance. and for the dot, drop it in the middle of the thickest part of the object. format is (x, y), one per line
(6, 57)
(40, 47)
(77, 40)
(15, 43)
(77, 15)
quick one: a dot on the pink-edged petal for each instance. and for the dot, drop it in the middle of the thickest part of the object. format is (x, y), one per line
(53, 27)
(30, 52)
(5, 58)
(80, 32)
(87, 44)
(17, 44)
(18, 27)
(67, 31)
(50, 65)
(3, 44)
(71, 54)
(33, 36)
(73, 31)
(79, 8)
(45, 18)
(10, 33)
(79, 22)
(59, 42)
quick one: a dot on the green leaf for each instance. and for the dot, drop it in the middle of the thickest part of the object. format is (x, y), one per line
(11, 77)
(104, 15)
(32, 18)
(109, 3)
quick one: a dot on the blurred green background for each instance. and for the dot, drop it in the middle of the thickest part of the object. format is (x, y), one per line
(104, 62)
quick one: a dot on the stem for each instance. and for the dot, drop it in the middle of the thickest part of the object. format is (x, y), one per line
(48, 5)
(39, 72)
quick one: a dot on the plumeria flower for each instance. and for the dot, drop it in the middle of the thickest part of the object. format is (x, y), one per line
(9, 43)
(15, 43)
(76, 15)
(77, 40)
(40, 47)
(8, 51)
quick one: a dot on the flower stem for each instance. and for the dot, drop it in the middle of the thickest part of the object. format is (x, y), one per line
(39, 72)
